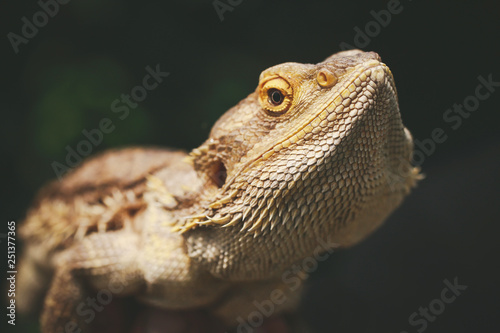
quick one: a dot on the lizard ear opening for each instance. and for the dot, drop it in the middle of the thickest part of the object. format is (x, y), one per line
(325, 78)
(218, 173)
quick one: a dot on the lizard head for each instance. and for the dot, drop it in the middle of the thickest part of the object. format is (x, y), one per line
(319, 149)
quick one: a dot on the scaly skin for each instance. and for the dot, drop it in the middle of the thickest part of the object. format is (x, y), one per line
(316, 158)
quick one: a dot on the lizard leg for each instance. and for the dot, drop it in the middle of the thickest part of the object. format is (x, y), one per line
(87, 278)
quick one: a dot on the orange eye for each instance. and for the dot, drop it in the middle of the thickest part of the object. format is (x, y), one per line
(276, 95)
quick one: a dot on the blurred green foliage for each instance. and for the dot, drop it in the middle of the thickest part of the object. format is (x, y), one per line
(74, 97)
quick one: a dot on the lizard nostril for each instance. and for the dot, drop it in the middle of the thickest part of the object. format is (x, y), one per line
(219, 174)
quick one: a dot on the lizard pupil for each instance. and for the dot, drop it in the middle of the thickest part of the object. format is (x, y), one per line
(275, 96)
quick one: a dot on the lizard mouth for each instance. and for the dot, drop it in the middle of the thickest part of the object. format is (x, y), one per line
(373, 69)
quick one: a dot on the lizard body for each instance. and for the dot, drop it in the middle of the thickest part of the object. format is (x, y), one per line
(317, 154)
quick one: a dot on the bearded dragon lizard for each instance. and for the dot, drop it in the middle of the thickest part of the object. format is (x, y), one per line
(316, 155)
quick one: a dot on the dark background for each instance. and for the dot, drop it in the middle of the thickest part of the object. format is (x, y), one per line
(65, 78)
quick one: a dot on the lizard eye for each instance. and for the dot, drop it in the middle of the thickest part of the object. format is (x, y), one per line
(275, 95)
